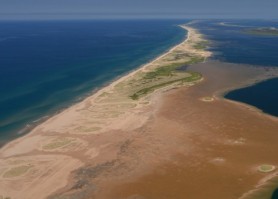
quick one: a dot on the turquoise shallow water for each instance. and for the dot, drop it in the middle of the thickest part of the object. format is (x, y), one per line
(46, 66)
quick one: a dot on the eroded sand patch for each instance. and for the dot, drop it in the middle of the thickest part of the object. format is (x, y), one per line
(218, 161)
(207, 99)
(239, 141)
(33, 177)
(92, 153)
(62, 144)
(266, 168)
(17, 171)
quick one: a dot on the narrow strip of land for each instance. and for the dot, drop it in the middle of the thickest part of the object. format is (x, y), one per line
(152, 134)
(88, 137)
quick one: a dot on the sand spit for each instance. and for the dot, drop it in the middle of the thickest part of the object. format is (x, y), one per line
(64, 155)
(152, 135)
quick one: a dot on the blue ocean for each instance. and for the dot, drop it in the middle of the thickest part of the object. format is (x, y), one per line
(45, 66)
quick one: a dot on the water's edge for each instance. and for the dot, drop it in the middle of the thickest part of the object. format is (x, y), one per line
(77, 99)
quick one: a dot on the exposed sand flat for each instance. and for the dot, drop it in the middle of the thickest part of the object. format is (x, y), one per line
(31, 177)
(195, 149)
(93, 131)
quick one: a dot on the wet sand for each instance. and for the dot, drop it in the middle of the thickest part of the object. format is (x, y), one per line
(202, 149)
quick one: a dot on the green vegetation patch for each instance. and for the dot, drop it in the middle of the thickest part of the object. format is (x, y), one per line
(201, 45)
(195, 60)
(262, 31)
(162, 71)
(17, 171)
(265, 168)
(166, 71)
(170, 70)
(194, 76)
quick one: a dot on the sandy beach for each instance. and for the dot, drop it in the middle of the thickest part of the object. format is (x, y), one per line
(151, 136)
(42, 162)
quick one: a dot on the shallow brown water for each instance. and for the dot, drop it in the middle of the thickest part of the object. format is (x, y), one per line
(201, 149)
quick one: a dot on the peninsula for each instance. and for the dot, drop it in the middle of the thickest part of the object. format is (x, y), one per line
(81, 137)
(162, 131)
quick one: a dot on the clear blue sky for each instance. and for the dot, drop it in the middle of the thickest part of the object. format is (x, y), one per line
(138, 8)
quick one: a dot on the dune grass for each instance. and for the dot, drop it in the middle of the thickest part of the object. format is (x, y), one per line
(201, 45)
(158, 77)
(171, 68)
(194, 76)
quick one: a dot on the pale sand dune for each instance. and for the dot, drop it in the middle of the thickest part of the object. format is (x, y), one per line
(41, 162)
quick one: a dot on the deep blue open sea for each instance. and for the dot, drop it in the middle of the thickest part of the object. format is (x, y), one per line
(231, 44)
(46, 66)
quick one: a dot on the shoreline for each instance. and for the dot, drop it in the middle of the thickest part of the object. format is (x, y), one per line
(112, 145)
(266, 182)
(221, 95)
(272, 73)
(70, 135)
(106, 87)
(254, 108)
(31, 126)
